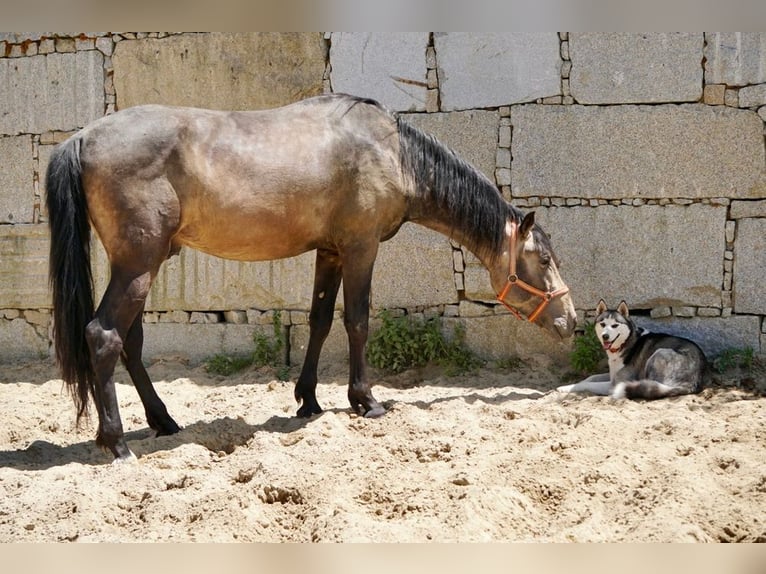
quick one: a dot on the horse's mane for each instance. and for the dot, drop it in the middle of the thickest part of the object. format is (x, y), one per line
(471, 203)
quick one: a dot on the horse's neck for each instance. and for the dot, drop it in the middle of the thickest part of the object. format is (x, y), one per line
(430, 218)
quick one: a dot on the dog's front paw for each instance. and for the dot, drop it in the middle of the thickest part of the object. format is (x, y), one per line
(565, 388)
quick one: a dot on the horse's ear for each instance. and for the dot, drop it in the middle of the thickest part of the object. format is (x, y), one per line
(622, 309)
(526, 225)
(601, 307)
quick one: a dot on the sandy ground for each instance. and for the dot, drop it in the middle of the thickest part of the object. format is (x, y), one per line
(491, 456)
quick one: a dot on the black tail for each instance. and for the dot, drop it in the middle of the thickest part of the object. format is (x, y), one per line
(69, 270)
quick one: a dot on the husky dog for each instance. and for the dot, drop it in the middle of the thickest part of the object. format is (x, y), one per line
(643, 365)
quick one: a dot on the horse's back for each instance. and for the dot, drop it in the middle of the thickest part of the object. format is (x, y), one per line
(237, 180)
(280, 138)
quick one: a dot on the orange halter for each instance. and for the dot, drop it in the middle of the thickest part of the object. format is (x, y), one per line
(513, 279)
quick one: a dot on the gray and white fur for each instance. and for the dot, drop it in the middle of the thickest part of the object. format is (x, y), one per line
(643, 365)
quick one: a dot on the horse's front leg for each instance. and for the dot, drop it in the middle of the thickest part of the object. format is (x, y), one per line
(327, 277)
(357, 277)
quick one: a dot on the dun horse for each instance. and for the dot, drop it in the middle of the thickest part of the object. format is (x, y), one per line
(336, 174)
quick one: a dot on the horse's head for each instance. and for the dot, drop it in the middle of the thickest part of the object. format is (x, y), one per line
(526, 278)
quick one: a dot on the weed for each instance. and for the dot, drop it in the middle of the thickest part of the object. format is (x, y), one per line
(403, 342)
(587, 351)
(226, 365)
(267, 352)
(509, 363)
(734, 358)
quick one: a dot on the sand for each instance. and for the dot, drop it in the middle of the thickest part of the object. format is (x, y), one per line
(495, 455)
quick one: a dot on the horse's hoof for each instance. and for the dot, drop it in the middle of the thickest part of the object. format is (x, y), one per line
(130, 458)
(168, 429)
(163, 425)
(307, 411)
(375, 412)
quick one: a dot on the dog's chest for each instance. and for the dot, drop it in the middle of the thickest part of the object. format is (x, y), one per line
(615, 364)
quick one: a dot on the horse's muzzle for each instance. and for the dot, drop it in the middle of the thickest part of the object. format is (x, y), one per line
(565, 326)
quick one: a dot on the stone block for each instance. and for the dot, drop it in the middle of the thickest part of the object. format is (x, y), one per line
(237, 317)
(21, 37)
(334, 350)
(105, 45)
(174, 316)
(752, 96)
(471, 134)
(712, 334)
(53, 92)
(44, 156)
(476, 284)
(503, 336)
(621, 152)
(387, 66)
(482, 70)
(749, 264)
(651, 256)
(735, 58)
(24, 267)
(659, 312)
(414, 268)
(19, 341)
(196, 342)
(625, 68)
(252, 70)
(194, 280)
(16, 180)
(741, 209)
(714, 94)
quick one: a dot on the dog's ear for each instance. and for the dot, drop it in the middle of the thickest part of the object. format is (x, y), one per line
(601, 307)
(622, 309)
(526, 225)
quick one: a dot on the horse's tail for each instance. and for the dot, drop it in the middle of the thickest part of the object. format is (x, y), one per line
(69, 271)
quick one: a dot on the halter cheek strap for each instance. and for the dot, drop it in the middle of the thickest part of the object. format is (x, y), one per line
(513, 280)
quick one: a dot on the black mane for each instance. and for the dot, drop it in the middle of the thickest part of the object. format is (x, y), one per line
(464, 196)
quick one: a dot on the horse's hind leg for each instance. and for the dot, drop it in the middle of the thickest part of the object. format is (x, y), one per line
(156, 413)
(327, 276)
(123, 299)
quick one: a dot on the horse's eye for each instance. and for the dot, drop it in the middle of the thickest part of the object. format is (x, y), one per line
(545, 260)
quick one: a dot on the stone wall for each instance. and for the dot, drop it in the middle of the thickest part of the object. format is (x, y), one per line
(642, 154)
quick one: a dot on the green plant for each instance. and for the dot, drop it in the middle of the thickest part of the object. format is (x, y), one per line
(587, 351)
(226, 365)
(267, 352)
(404, 342)
(734, 358)
(509, 363)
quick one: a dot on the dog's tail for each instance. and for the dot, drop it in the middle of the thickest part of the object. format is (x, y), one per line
(651, 390)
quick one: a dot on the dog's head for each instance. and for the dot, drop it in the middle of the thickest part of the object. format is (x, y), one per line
(613, 326)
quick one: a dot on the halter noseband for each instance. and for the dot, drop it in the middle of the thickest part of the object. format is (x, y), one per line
(513, 279)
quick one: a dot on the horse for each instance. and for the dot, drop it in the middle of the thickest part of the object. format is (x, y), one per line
(337, 174)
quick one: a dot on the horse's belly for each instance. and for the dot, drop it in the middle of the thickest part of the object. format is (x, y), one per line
(251, 241)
